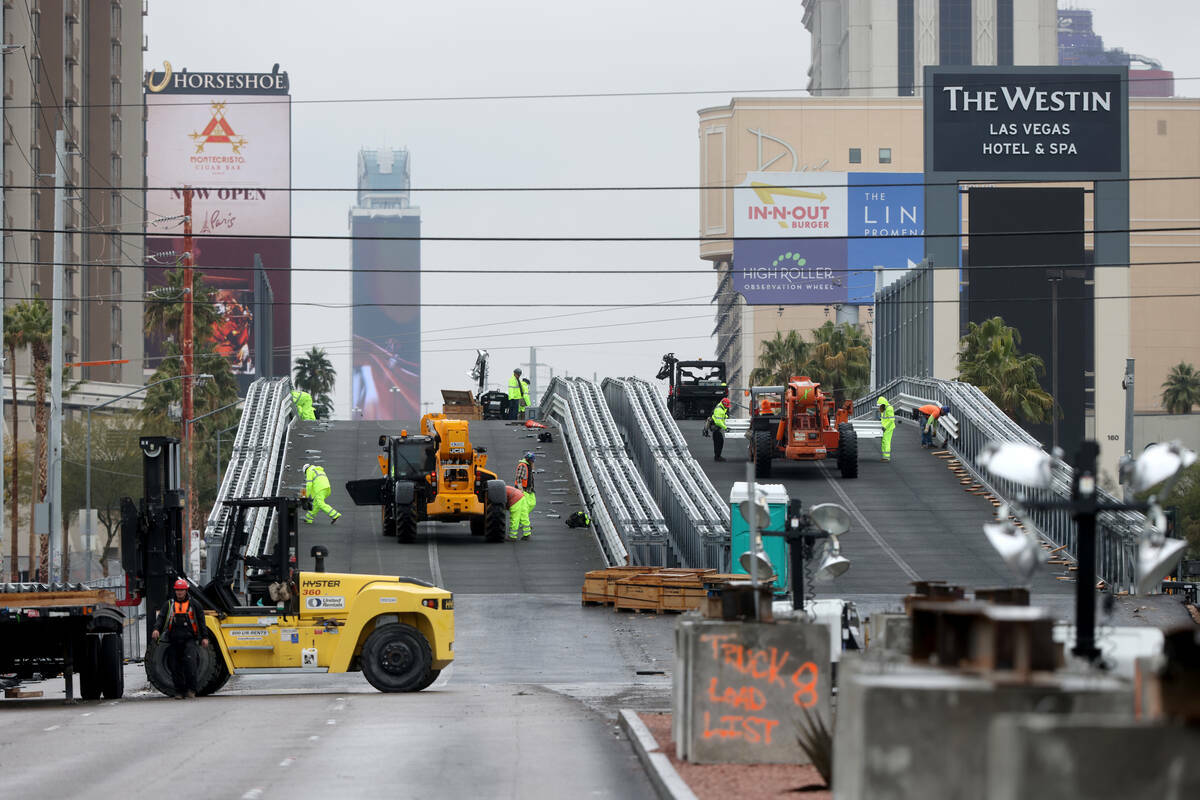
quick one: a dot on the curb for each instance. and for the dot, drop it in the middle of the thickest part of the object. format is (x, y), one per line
(666, 780)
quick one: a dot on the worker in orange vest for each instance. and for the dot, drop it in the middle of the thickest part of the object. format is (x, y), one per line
(931, 414)
(183, 623)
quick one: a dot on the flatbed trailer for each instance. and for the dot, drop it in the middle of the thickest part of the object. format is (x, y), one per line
(62, 629)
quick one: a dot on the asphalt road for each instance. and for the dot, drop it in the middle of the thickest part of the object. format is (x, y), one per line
(911, 519)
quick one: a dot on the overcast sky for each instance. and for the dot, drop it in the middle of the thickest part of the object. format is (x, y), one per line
(388, 49)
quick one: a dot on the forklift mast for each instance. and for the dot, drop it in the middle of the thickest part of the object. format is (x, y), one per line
(152, 531)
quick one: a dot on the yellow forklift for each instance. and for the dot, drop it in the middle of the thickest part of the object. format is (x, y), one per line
(265, 615)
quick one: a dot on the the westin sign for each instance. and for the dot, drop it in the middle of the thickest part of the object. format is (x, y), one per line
(1027, 121)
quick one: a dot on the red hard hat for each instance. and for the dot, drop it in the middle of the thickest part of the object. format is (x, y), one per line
(725, 402)
(180, 583)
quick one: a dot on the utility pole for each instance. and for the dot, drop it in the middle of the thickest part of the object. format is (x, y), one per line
(187, 366)
(57, 538)
(1127, 384)
(533, 379)
(12, 568)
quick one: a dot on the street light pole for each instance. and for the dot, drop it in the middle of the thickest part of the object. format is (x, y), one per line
(88, 466)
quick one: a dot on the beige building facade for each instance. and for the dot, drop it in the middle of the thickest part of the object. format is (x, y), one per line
(865, 134)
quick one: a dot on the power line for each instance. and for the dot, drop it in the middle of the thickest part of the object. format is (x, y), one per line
(696, 238)
(1065, 80)
(662, 188)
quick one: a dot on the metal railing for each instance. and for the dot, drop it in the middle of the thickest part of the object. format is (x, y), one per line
(629, 525)
(696, 516)
(977, 422)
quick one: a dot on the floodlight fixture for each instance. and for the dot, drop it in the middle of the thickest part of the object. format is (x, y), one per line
(1018, 462)
(758, 566)
(831, 518)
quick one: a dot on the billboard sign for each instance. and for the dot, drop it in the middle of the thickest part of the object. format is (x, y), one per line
(1027, 120)
(824, 248)
(227, 136)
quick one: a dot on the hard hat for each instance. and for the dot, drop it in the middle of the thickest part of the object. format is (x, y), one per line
(881, 402)
(180, 583)
(944, 410)
(529, 455)
(725, 402)
(517, 371)
(305, 467)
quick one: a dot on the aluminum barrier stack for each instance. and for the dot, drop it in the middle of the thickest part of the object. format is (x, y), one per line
(628, 523)
(256, 463)
(697, 518)
(979, 421)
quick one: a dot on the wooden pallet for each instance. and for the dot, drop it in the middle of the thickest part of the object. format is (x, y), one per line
(17, 694)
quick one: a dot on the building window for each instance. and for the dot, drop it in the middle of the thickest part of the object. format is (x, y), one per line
(35, 252)
(114, 200)
(905, 56)
(116, 320)
(116, 19)
(885, 155)
(116, 56)
(1004, 32)
(1162, 127)
(954, 32)
(35, 207)
(116, 355)
(116, 167)
(855, 155)
(35, 66)
(116, 283)
(116, 94)
(116, 136)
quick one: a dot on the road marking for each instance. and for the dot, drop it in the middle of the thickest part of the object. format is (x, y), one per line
(51, 728)
(253, 794)
(331, 722)
(340, 707)
(86, 714)
(435, 568)
(287, 762)
(313, 738)
(868, 527)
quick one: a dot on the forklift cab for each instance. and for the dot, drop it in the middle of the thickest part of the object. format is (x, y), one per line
(270, 581)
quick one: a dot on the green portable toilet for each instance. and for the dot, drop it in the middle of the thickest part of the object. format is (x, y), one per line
(774, 547)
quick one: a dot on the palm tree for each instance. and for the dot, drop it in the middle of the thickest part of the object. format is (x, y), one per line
(37, 326)
(1181, 389)
(989, 357)
(781, 358)
(164, 307)
(840, 360)
(14, 339)
(316, 375)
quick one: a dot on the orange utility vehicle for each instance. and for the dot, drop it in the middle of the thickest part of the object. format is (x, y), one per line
(799, 422)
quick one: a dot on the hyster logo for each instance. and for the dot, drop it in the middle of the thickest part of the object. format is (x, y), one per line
(218, 131)
(809, 216)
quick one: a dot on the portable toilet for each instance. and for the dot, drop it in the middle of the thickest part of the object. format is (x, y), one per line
(774, 547)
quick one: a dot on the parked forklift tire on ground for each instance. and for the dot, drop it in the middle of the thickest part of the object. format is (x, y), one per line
(406, 523)
(495, 522)
(111, 666)
(397, 658)
(87, 664)
(159, 675)
(761, 450)
(847, 458)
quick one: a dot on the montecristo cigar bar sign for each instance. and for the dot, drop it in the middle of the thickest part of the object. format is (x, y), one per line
(1027, 121)
(171, 81)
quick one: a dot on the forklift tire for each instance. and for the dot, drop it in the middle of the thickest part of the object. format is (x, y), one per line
(761, 451)
(495, 522)
(159, 675)
(428, 680)
(218, 678)
(406, 523)
(87, 665)
(397, 658)
(111, 666)
(847, 457)
(478, 526)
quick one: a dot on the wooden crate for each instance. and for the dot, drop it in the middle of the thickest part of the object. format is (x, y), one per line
(598, 584)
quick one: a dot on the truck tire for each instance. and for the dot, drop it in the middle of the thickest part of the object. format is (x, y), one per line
(111, 666)
(406, 523)
(397, 658)
(87, 665)
(847, 457)
(762, 450)
(495, 522)
(389, 522)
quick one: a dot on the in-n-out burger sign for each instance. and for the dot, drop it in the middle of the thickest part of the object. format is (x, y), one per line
(1027, 98)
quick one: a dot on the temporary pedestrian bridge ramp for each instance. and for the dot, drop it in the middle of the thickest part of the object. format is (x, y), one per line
(255, 467)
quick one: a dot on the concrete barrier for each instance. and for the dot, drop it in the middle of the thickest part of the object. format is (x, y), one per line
(1084, 757)
(741, 689)
(907, 732)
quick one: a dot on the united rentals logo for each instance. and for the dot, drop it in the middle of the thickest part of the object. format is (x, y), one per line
(218, 131)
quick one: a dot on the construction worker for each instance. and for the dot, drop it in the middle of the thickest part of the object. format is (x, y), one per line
(717, 422)
(524, 397)
(316, 486)
(518, 514)
(304, 404)
(887, 419)
(183, 623)
(515, 392)
(931, 412)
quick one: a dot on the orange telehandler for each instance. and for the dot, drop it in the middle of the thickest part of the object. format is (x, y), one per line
(799, 422)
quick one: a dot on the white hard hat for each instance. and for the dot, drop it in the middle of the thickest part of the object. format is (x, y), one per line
(305, 467)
